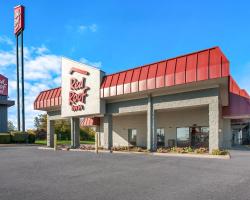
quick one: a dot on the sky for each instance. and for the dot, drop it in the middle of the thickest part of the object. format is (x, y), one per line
(116, 35)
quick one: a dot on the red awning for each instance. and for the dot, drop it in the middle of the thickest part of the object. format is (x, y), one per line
(202, 65)
(87, 121)
(48, 99)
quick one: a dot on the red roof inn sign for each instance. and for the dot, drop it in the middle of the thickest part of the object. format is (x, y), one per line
(3, 86)
(80, 89)
(18, 19)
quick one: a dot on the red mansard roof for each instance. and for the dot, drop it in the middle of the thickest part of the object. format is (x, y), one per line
(202, 65)
(239, 102)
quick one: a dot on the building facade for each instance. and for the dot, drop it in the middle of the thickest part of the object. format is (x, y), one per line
(4, 104)
(189, 100)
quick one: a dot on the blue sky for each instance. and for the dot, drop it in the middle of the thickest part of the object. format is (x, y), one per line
(116, 35)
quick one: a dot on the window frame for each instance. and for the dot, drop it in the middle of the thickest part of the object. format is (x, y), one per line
(164, 142)
(132, 143)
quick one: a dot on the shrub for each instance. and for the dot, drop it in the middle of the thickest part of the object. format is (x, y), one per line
(31, 138)
(188, 149)
(4, 138)
(163, 150)
(41, 134)
(87, 133)
(120, 148)
(219, 152)
(178, 150)
(201, 150)
(18, 137)
(138, 149)
(63, 135)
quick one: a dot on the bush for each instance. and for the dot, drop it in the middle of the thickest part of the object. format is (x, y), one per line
(31, 138)
(163, 150)
(87, 133)
(201, 150)
(41, 134)
(219, 152)
(120, 148)
(63, 135)
(127, 148)
(19, 137)
(188, 149)
(4, 138)
(178, 150)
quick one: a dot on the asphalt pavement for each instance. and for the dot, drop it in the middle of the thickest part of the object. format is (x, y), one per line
(31, 174)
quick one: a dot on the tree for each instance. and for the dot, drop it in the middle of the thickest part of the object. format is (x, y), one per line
(40, 122)
(11, 126)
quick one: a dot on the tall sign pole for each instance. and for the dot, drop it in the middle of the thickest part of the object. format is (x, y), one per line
(17, 81)
(22, 80)
(18, 30)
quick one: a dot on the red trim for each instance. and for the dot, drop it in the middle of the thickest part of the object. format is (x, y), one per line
(80, 71)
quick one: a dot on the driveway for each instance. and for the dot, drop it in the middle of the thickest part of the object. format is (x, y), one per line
(28, 173)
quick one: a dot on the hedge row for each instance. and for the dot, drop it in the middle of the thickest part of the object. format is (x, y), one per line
(16, 137)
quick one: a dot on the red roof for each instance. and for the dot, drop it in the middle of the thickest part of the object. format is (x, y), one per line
(202, 65)
(239, 101)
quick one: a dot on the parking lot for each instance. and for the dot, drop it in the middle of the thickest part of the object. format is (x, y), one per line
(29, 173)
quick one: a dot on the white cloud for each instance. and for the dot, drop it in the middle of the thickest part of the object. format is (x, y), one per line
(94, 64)
(6, 40)
(93, 27)
(42, 72)
(7, 58)
(40, 68)
(42, 50)
(84, 28)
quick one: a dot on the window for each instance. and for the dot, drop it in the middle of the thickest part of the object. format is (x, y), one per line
(160, 137)
(183, 137)
(200, 136)
(196, 136)
(132, 137)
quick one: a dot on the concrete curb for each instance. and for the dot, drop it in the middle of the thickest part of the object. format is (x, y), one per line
(45, 148)
(18, 145)
(225, 157)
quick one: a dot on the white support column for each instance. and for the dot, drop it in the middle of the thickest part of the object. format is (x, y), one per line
(50, 132)
(151, 121)
(107, 129)
(214, 120)
(75, 132)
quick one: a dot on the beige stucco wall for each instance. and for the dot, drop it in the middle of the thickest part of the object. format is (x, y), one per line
(227, 134)
(169, 120)
(121, 124)
(181, 118)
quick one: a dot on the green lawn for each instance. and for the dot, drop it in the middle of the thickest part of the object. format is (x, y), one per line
(44, 142)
